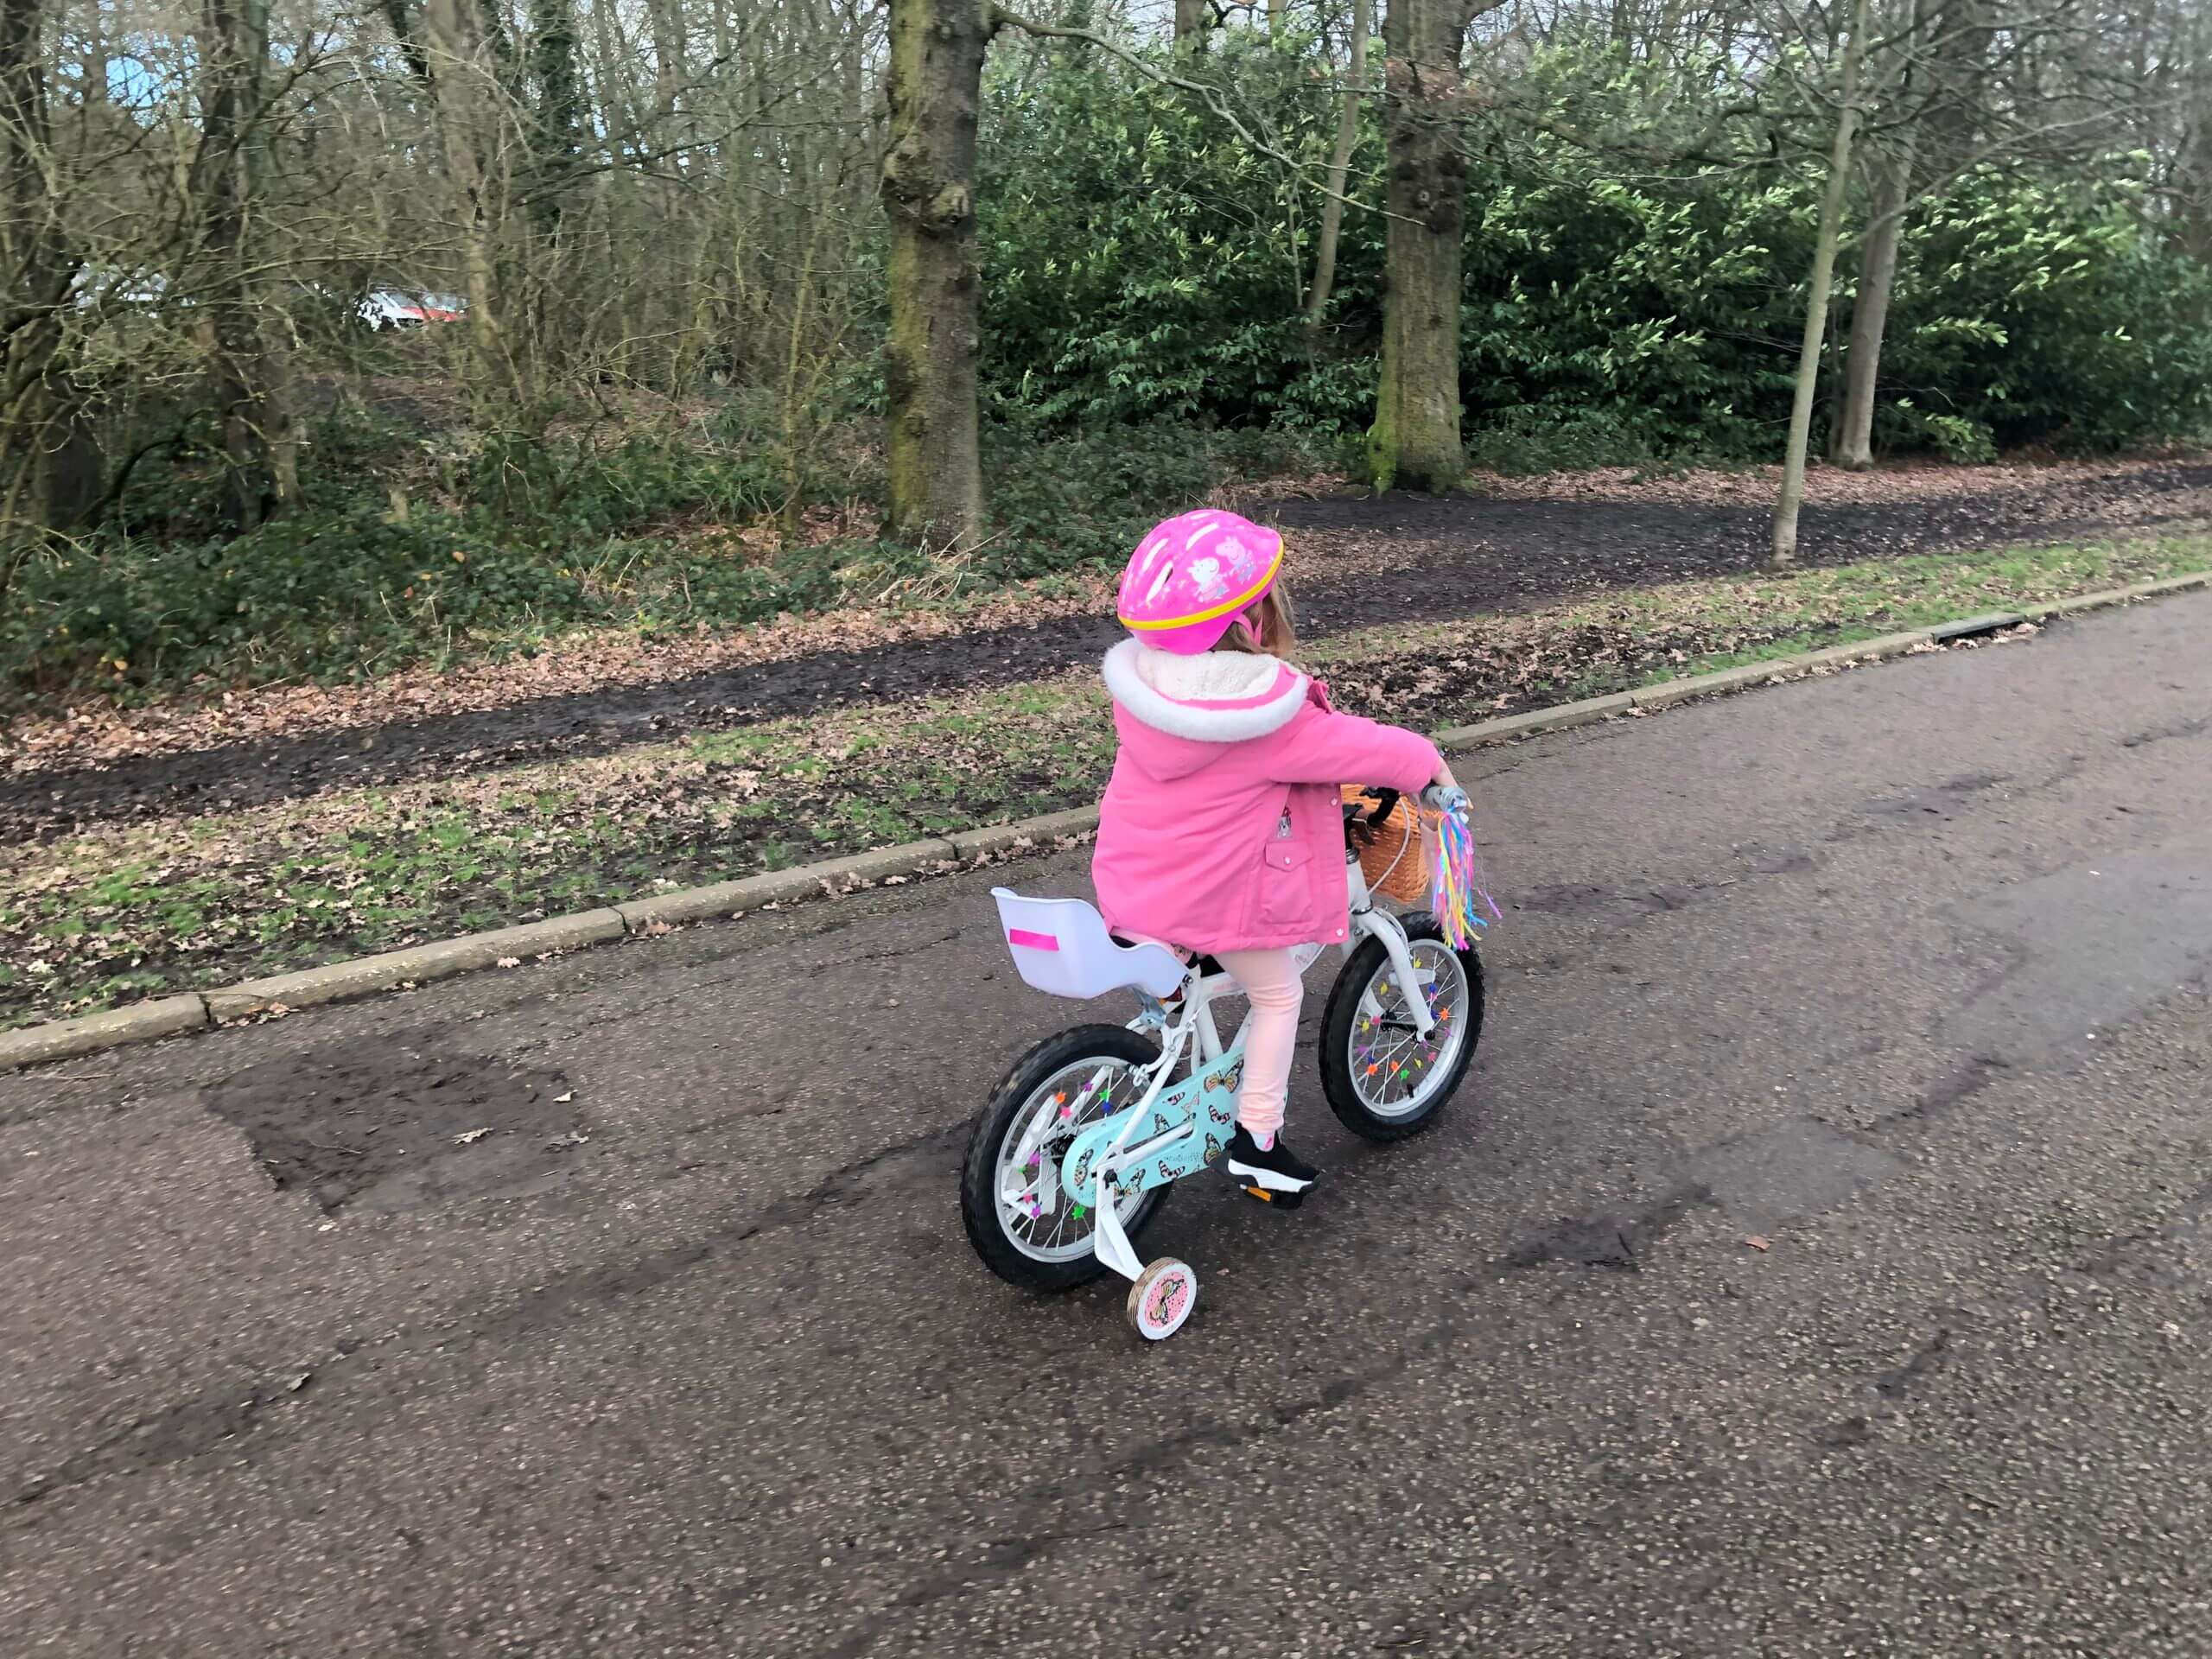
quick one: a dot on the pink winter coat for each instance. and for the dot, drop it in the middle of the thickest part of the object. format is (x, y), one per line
(1222, 828)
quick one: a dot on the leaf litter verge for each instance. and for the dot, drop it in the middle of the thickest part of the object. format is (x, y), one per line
(130, 911)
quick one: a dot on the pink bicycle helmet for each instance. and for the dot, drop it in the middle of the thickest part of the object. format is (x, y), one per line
(1191, 578)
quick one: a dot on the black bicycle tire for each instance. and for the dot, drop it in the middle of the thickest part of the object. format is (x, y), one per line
(1336, 1084)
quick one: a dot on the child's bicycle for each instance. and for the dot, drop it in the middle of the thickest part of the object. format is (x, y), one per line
(1075, 1152)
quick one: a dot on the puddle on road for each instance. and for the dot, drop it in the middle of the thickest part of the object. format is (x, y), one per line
(2100, 941)
(397, 1122)
(1790, 1174)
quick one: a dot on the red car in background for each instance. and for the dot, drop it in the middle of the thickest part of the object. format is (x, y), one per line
(386, 308)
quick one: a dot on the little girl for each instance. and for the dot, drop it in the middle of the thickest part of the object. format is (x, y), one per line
(1222, 830)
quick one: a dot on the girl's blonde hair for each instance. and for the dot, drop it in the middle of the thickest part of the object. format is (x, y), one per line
(1270, 626)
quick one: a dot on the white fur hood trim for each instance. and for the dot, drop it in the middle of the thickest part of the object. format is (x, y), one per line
(1217, 697)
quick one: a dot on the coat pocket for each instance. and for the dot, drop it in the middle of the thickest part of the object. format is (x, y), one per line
(1284, 899)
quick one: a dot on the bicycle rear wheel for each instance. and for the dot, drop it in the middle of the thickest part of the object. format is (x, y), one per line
(1020, 1222)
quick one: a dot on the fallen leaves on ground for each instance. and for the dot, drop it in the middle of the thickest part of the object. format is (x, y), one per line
(131, 910)
(603, 659)
(587, 661)
(1923, 478)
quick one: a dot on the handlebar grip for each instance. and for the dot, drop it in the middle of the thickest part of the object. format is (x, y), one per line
(1437, 797)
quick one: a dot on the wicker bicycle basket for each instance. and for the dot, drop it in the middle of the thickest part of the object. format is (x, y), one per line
(1393, 855)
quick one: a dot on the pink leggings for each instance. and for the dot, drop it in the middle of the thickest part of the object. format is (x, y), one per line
(1270, 982)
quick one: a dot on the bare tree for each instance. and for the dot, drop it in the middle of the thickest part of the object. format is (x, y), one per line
(655, 208)
(467, 117)
(1852, 55)
(1332, 200)
(2185, 67)
(1870, 306)
(558, 126)
(1960, 85)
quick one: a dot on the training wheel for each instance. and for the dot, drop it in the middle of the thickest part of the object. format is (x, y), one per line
(1162, 1299)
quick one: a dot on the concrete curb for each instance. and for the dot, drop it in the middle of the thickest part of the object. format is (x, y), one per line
(2155, 588)
(170, 1015)
(1667, 693)
(827, 879)
(1560, 717)
(412, 966)
(141, 1022)
(1030, 832)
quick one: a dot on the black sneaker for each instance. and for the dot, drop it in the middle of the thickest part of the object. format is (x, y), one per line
(1277, 1175)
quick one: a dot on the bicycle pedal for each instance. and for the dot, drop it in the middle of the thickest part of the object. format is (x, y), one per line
(1277, 1200)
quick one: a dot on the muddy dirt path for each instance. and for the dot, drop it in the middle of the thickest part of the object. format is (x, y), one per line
(1473, 554)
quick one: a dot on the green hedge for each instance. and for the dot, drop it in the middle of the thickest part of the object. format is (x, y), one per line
(1141, 263)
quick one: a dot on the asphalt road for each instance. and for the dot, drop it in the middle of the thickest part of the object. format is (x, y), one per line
(1902, 972)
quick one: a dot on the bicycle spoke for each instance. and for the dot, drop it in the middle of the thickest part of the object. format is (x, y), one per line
(1078, 1100)
(1391, 1063)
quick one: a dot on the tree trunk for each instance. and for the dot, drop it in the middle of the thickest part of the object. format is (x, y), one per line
(934, 86)
(666, 18)
(1332, 209)
(1784, 544)
(91, 87)
(1415, 444)
(1870, 312)
(466, 140)
(283, 424)
(617, 112)
(1957, 98)
(2192, 163)
(54, 464)
(560, 107)
(76, 466)
(34, 280)
(1191, 19)
(245, 380)
(399, 17)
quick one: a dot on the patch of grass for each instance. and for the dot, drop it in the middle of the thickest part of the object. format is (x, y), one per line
(1767, 650)
(127, 911)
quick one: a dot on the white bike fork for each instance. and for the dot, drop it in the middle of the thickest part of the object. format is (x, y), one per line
(1371, 923)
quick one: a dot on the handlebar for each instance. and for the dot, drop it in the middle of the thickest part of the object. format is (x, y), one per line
(1360, 826)
(1435, 798)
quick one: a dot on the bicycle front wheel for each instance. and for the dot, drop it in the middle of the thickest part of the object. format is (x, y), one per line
(1382, 1079)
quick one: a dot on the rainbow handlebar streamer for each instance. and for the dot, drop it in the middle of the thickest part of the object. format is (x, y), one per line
(1455, 888)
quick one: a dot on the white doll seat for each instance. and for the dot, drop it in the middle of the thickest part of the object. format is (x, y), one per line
(1061, 946)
